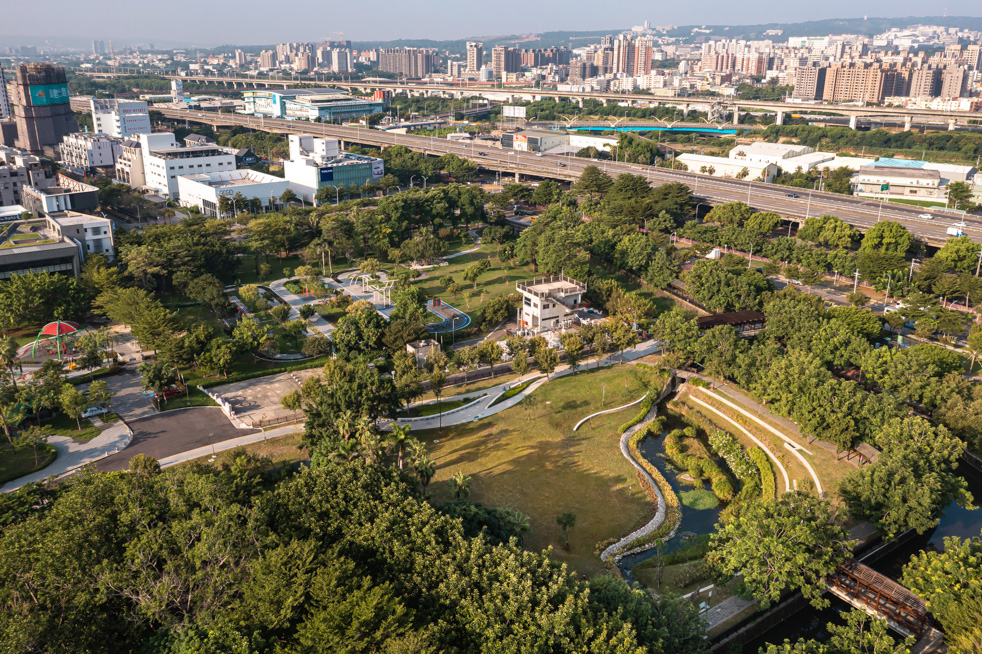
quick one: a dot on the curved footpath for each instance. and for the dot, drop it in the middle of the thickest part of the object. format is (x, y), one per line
(660, 512)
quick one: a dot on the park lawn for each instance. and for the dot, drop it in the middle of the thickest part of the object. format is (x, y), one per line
(246, 273)
(199, 314)
(15, 463)
(471, 387)
(918, 203)
(434, 408)
(23, 335)
(194, 397)
(330, 311)
(62, 425)
(532, 460)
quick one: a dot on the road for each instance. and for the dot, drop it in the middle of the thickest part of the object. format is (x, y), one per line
(859, 212)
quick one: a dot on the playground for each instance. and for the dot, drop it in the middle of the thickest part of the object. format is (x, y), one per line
(450, 318)
(56, 340)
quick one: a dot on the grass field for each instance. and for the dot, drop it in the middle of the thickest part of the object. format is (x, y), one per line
(918, 203)
(62, 425)
(532, 461)
(194, 398)
(20, 462)
(282, 450)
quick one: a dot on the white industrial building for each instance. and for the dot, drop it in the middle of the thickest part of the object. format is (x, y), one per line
(886, 182)
(120, 118)
(726, 167)
(773, 153)
(83, 151)
(319, 162)
(164, 160)
(204, 190)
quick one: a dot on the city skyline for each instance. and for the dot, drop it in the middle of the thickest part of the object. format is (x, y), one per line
(428, 20)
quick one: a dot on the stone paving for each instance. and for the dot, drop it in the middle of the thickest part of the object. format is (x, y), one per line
(255, 399)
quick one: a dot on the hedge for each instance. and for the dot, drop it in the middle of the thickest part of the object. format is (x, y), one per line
(112, 369)
(645, 408)
(698, 467)
(514, 390)
(767, 482)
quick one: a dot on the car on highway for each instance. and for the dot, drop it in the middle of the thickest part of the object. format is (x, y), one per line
(793, 196)
(561, 164)
(926, 216)
(482, 154)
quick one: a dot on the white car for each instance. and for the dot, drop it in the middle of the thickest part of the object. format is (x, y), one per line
(94, 411)
(926, 216)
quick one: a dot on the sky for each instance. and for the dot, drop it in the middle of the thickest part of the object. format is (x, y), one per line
(201, 22)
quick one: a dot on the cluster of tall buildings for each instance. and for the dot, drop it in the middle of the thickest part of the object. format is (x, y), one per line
(333, 56)
(875, 81)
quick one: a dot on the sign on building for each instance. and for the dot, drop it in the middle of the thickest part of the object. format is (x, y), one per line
(511, 111)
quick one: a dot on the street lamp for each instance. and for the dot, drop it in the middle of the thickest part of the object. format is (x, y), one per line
(337, 194)
(424, 181)
(411, 181)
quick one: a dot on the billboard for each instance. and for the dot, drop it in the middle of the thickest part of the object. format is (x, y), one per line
(378, 169)
(510, 111)
(327, 174)
(46, 94)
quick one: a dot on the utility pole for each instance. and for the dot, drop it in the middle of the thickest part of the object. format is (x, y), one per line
(856, 282)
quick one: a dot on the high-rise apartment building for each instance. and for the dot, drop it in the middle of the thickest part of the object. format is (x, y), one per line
(925, 82)
(98, 48)
(954, 82)
(4, 99)
(475, 56)
(40, 106)
(412, 63)
(267, 59)
(505, 60)
(240, 58)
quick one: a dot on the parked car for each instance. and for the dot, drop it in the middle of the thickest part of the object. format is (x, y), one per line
(561, 164)
(94, 411)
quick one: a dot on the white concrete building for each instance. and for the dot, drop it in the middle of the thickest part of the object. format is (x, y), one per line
(84, 151)
(164, 160)
(769, 153)
(204, 190)
(316, 163)
(120, 118)
(92, 234)
(549, 303)
(888, 182)
(725, 167)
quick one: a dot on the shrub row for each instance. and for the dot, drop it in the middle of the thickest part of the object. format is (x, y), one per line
(767, 482)
(698, 467)
(691, 574)
(728, 447)
(645, 408)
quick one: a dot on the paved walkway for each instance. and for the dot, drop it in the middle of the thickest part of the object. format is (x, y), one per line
(73, 454)
(295, 302)
(484, 409)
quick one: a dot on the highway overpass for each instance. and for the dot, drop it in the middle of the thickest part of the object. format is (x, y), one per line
(859, 212)
(509, 94)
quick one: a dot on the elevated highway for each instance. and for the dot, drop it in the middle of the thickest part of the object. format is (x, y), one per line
(512, 94)
(859, 212)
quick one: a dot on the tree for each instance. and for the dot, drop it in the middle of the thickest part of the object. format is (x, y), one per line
(974, 344)
(292, 401)
(461, 485)
(547, 359)
(573, 346)
(208, 290)
(8, 359)
(861, 634)
(857, 299)
(593, 182)
(306, 311)
(288, 196)
(74, 403)
(475, 270)
(566, 522)
(398, 439)
(887, 236)
(730, 213)
(438, 379)
(316, 346)
(950, 581)
(911, 481)
(154, 376)
(794, 542)
(662, 270)
(489, 353)
(249, 335)
(33, 437)
(960, 195)
(99, 394)
(624, 337)
(520, 362)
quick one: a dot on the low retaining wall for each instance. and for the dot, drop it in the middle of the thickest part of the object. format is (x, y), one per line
(620, 408)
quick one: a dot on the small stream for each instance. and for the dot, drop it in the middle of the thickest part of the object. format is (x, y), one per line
(694, 522)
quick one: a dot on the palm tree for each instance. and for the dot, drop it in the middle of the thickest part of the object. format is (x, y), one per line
(346, 452)
(398, 438)
(424, 471)
(371, 443)
(566, 521)
(344, 423)
(461, 484)
(516, 522)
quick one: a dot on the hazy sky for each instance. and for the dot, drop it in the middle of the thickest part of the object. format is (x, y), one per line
(264, 21)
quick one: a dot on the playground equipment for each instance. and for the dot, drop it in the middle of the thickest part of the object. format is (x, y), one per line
(381, 291)
(60, 333)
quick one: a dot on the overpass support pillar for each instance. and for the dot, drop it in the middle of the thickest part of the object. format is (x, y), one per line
(604, 101)
(685, 112)
(951, 124)
(736, 115)
(518, 178)
(579, 101)
(908, 122)
(779, 119)
(853, 121)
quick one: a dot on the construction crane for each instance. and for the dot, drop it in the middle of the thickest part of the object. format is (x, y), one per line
(340, 38)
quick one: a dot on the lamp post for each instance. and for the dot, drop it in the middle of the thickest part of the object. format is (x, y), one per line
(337, 194)
(411, 180)
(910, 274)
(424, 181)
